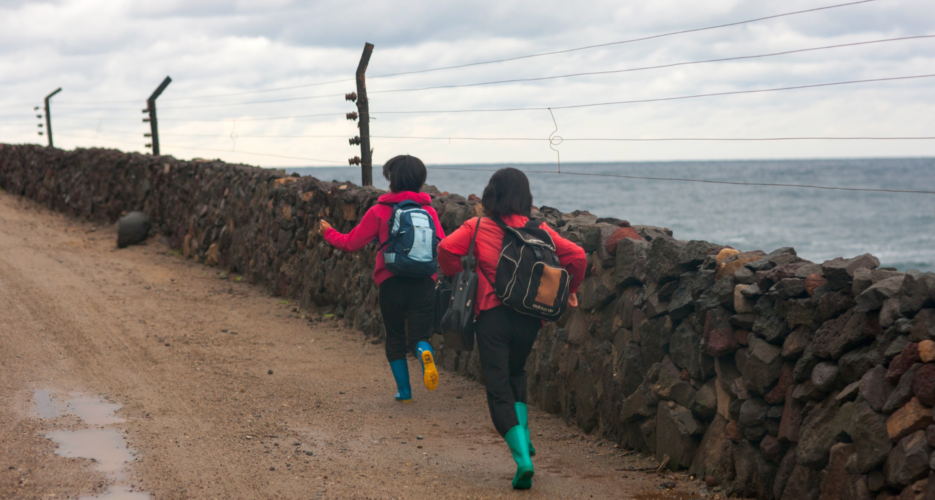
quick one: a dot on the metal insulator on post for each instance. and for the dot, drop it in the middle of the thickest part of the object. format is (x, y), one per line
(352, 115)
(146, 111)
(355, 141)
(351, 97)
(147, 135)
(149, 145)
(354, 161)
(38, 116)
(145, 120)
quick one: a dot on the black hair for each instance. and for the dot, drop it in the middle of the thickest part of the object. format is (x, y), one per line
(405, 173)
(507, 193)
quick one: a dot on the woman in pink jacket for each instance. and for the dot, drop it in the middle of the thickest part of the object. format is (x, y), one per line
(409, 292)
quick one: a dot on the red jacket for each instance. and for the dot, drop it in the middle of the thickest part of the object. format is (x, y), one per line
(487, 250)
(375, 223)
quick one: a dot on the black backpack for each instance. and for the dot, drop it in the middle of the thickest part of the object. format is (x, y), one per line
(530, 278)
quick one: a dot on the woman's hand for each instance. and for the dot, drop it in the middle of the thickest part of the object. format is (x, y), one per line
(324, 226)
(573, 300)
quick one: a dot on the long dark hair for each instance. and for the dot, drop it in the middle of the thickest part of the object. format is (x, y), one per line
(405, 173)
(507, 193)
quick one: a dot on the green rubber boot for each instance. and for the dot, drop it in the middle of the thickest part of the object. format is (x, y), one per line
(523, 416)
(519, 445)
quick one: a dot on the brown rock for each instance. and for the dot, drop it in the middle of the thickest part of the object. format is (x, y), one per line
(743, 337)
(927, 351)
(796, 342)
(814, 281)
(187, 246)
(923, 384)
(772, 449)
(211, 256)
(733, 432)
(287, 212)
(725, 253)
(834, 479)
(917, 491)
(791, 418)
(742, 304)
(731, 264)
(908, 419)
(308, 196)
(902, 362)
(283, 181)
(777, 395)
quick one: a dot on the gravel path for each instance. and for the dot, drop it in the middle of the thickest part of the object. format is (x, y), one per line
(230, 393)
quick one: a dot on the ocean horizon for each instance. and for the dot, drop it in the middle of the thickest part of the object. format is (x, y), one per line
(898, 228)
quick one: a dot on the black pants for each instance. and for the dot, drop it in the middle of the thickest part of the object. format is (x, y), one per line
(504, 341)
(404, 298)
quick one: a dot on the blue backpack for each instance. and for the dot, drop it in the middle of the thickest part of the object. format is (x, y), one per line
(412, 246)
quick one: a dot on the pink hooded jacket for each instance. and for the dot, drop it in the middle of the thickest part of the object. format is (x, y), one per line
(375, 223)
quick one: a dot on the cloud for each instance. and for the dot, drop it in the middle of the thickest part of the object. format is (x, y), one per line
(109, 56)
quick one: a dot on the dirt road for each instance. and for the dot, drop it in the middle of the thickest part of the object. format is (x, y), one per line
(227, 392)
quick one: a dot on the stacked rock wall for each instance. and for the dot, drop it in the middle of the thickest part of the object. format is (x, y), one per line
(764, 374)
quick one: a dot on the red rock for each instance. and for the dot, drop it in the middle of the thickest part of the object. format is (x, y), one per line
(902, 362)
(923, 384)
(742, 337)
(733, 432)
(813, 281)
(684, 375)
(778, 394)
(623, 232)
(719, 338)
(908, 419)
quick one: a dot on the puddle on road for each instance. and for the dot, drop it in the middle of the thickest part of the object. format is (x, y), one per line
(45, 406)
(94, 411)
(106, 447)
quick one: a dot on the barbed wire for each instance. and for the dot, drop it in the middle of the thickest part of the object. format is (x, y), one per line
(632, 40)
(173, 146)
(705, 181)
(645, 68)
(661, 99)
(528, 56)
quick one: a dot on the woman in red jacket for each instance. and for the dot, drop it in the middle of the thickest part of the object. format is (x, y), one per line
(401, 297)
(504, 336)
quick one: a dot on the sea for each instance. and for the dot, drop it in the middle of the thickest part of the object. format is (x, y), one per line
(898, 228)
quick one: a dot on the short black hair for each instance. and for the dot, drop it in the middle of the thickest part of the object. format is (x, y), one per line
(405, 173)
(507, 193)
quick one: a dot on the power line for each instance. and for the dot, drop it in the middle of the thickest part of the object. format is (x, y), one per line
(565, 51)
(628, 70)
(806, 186)
(735, 92)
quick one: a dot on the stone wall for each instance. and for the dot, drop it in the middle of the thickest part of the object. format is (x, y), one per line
(764, 374)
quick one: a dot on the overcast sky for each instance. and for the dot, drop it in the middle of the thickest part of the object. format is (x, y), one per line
(109, 55)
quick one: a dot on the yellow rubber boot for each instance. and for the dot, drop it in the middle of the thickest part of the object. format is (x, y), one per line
(429, 372)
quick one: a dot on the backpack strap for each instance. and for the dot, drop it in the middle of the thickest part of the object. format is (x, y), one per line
(475, 263)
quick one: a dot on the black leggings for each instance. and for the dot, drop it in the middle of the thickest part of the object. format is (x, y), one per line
(403, 298)
(504, 341)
